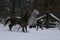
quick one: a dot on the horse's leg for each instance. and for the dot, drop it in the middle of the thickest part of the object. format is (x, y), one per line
(23, 28)
(19, 28)
(26, 28)
(41, 27)
(37, 27)
(10, 27)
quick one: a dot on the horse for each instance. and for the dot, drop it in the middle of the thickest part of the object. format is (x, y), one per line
(21, 21)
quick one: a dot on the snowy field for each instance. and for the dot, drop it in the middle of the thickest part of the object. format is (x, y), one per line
(46, 34)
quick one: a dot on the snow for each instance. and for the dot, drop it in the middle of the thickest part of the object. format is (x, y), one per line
(51, 15)
(54, 17)
(35, 11)
(16, 17)
(40, 17)
(32, 19)
(46, 34)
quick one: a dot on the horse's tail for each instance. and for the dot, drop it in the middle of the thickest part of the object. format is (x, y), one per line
(6, 21)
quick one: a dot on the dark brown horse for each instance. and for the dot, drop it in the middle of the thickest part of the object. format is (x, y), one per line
(21, 21)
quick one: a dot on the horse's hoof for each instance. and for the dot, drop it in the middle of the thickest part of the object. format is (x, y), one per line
(23, 31)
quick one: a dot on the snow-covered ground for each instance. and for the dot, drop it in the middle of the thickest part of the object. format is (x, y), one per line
(46, 34)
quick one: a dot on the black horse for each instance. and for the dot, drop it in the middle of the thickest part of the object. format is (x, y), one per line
(21, 21)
